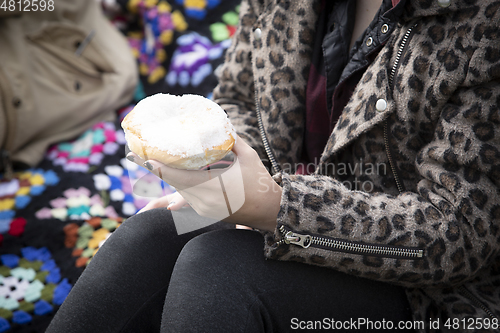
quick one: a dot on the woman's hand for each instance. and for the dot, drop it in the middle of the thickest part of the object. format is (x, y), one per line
(259, 196)
(172, 201)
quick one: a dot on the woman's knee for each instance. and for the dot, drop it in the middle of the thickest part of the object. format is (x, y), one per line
(153, 233)
(212, 279)
(223, 246)
(149, 225)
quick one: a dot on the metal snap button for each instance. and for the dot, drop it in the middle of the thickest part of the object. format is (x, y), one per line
(257, 33)
(369, 41)
(381, 105)
(384, 28)
(444, 3)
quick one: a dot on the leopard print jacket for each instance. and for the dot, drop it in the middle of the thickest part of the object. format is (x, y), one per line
(407, 190)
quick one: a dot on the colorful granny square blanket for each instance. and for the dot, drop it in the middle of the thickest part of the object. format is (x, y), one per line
(55, 217)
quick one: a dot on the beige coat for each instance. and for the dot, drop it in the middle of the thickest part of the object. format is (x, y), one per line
(47, 92)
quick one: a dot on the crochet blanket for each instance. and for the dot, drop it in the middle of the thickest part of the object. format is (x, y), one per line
(53, 218)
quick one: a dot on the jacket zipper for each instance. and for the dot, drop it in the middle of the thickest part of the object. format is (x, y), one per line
(329, 243)
(462, 290)
(5, 155)
(389, 157)
(265, 141)
(467, 294)
(402, 47)
(388, 150)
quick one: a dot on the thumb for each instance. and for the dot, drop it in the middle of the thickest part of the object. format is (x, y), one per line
(176, 201)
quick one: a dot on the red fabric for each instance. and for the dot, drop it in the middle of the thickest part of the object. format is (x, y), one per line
(17, 226)
(317, 129)
(317, 118)
(320, 122)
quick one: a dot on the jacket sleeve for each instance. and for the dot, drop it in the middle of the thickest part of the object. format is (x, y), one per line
(235, 90)
(453, 216)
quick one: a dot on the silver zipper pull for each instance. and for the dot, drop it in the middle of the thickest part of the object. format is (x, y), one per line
(298, 239)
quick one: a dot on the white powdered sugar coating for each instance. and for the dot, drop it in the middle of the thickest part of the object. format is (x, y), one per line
(184, 125)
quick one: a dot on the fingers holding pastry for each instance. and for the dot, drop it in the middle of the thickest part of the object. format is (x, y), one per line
(173, 201)
(155, 203)
(175, 177)
(176, 201)
(153, 166)
(181, 179)
(133, 157)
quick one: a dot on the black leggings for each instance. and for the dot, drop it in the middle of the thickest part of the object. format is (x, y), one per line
(146, 278)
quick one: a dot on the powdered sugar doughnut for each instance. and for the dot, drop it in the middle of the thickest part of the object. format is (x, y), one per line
(183, 132)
